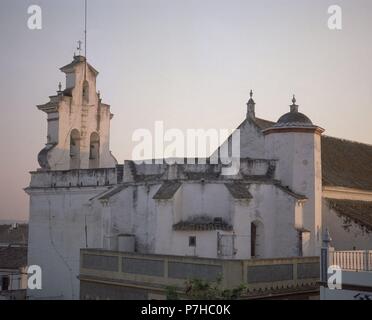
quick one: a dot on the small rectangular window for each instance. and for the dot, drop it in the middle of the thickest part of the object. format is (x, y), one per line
(5, 283)
(192, 241)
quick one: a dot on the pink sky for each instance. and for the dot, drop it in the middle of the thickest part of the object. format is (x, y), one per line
(190, 63)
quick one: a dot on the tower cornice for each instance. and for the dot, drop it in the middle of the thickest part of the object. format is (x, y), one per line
(313, 129)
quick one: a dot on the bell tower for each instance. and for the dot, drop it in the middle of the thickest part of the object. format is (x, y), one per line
(78, 123)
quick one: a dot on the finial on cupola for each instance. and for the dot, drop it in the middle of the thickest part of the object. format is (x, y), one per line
(294, 106)
(251, 107)
(59, 92)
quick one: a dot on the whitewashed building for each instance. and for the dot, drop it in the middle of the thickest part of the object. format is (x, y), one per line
(292, 183)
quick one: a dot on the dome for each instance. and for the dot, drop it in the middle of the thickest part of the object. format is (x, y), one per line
(293, 118)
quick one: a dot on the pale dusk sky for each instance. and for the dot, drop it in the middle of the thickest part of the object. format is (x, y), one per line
(189, 63)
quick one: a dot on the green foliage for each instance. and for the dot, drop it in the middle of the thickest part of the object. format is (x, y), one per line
(171, 293)
(197, 289)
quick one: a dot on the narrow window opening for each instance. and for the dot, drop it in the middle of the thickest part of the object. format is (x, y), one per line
(5, 282)
(192, 241)
(257, 240)
(253, 240)
(300, 242)
(85, 92)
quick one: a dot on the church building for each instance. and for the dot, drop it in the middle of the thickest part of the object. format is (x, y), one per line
(294, 182)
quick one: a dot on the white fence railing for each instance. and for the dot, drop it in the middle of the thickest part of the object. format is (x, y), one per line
(351, 260)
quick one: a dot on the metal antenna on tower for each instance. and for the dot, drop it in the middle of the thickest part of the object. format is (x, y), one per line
(85, 37)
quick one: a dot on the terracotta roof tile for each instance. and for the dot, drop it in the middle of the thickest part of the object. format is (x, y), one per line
(167, 190)
(359, 212)
(239, 191)
(263, 124)
(13, 257)
(8, 235)
(113, 191)
(346, 163)
(203, 224)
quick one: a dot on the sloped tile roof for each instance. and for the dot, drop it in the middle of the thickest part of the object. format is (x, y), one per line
(8, 235)
(263, 124)
(260, 123)
(167, 190)
(359, 212)
(239, 191)
(346, 163)
(203, 224)
(113, 191)
(13, 257)
(202, 175)
(291, 193)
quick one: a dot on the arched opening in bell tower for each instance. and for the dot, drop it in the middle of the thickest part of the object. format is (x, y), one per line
(86, 92)
(75, 149)
(94, 147)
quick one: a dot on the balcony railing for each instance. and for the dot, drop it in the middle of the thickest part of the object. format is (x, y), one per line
(158, 271)
(351, 260)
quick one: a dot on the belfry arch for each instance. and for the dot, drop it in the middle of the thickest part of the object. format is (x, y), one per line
(94, 150)
(86, 92)
(75, 149)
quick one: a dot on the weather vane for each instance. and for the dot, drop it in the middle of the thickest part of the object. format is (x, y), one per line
(79, 47)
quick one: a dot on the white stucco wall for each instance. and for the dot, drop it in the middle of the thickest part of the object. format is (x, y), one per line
(59, 220)
(252, 142)
(276, 211)
(206, 243)
(200, 199)
(134, 211)
(299, 168)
